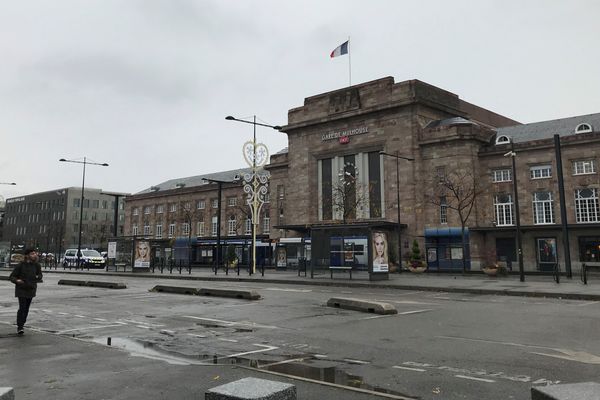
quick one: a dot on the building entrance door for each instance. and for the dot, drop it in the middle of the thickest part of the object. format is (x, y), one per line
(506, 250)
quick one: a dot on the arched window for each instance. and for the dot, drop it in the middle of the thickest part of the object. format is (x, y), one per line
(583, 128)
(502, 139)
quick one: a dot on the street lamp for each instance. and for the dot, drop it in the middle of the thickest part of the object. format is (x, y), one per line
(398, 157)
(512, 155)
(256, 155)
(220, 188)
(84, 162)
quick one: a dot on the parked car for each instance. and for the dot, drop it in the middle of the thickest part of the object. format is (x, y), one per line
(89, 258)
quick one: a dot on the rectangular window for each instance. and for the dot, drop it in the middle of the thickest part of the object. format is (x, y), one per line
(76, 203)
(104, 204)
(541, 172)
(326, 189)
(134, 230)
(280, 192)
(248, 226)
(214, 226)
(95, 203)
(86, 203)
(146, 230)
(349, 202)
(503, 206)
(584, 167)
(587, 208)
(266, 225)
(214, 203)
(231, 226)
(200, 228)
(159, 231)
(443, 210)
(501, 175)
(159, 209)
(171, 230)
(172, 207)
(94, 216)
(232, 201)
(201, 205)
(374, 185)
(147, 210)
(543, 212)
(135, 211)
(185, 229)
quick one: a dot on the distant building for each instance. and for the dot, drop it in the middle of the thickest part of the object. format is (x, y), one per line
(49, 221)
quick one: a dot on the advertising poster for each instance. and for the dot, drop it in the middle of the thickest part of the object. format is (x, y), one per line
(112, 250)
(142, 255)
(281, 257)
(547, 250)
(380, 252)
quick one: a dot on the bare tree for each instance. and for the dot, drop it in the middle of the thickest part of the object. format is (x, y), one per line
(348, 195)
(457, 190)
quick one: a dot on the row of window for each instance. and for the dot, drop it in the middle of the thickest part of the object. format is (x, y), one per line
(200, 205)
(33, 218)
(40, 205)
(95, 204)
(200, 228)
(587, 207)
(580, 167)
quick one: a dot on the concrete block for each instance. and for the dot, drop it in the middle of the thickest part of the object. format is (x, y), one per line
(375, 307)
(108, 285)
(567, 391)
(7, 393)
(236, 294)
(72, 282)
(174, 289)
(252, 388)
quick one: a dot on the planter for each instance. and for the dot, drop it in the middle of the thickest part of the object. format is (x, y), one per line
(417, 267)
(490, 271)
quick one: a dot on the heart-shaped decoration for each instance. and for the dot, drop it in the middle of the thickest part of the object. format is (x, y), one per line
(260, 155)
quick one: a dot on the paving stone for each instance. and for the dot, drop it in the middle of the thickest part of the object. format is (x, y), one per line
(252, 389)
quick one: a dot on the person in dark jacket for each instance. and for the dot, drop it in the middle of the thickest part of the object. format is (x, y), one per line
(25, 276)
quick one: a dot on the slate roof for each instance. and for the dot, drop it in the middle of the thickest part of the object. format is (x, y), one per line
(547, 129)
(197, 180)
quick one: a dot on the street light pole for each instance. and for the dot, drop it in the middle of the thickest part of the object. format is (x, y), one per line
(84, 162)
(512, 155)
(256, 190)
(398, 157)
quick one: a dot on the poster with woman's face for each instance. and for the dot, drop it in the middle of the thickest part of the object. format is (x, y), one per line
(142, 254)
(281, 257)
(380, 252)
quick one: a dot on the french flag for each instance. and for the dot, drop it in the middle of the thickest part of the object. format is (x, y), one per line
(340, 50)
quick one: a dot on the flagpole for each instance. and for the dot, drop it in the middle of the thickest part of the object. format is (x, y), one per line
(349, 65)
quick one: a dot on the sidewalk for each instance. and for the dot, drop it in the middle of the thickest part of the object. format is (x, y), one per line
(534, 285)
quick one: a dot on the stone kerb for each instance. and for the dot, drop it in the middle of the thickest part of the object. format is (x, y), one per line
(7, 393)
(252, 388)
(569, 391)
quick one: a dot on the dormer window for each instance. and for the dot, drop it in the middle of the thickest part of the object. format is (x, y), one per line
(583, 128)
(503, 139)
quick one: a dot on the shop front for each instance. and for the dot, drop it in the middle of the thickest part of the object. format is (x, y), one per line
(445, 250)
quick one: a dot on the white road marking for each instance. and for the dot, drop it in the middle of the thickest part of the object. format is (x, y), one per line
(414, 312)
(265, 348)
(231, 323)
(141, 322)
(360, 362)
(63, 313)
(378, 316)
(320, 356)
(143, 326)
(409, 369)
(282, 362)
(48, 311)
(588, 304)
(565, 354)
(85, 328)
(80, 316)
(475, 379)
(228, 340)
(198, 336)
(289, 290)
(99, 319)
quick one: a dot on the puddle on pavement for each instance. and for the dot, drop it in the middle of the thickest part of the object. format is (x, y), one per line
(309, 367)
(319, 370)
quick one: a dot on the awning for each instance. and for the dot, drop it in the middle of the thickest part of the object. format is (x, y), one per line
(444, 232)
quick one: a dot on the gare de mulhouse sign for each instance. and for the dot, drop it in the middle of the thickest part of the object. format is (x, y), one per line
(344, 136)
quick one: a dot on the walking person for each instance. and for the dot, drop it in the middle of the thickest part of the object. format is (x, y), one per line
(25, 276)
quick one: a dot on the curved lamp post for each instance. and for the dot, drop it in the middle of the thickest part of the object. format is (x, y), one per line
(256, 155)
(512, 154)
(84, 162)
(398, 157)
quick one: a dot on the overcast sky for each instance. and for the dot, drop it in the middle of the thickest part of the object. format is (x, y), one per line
(145, 85)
